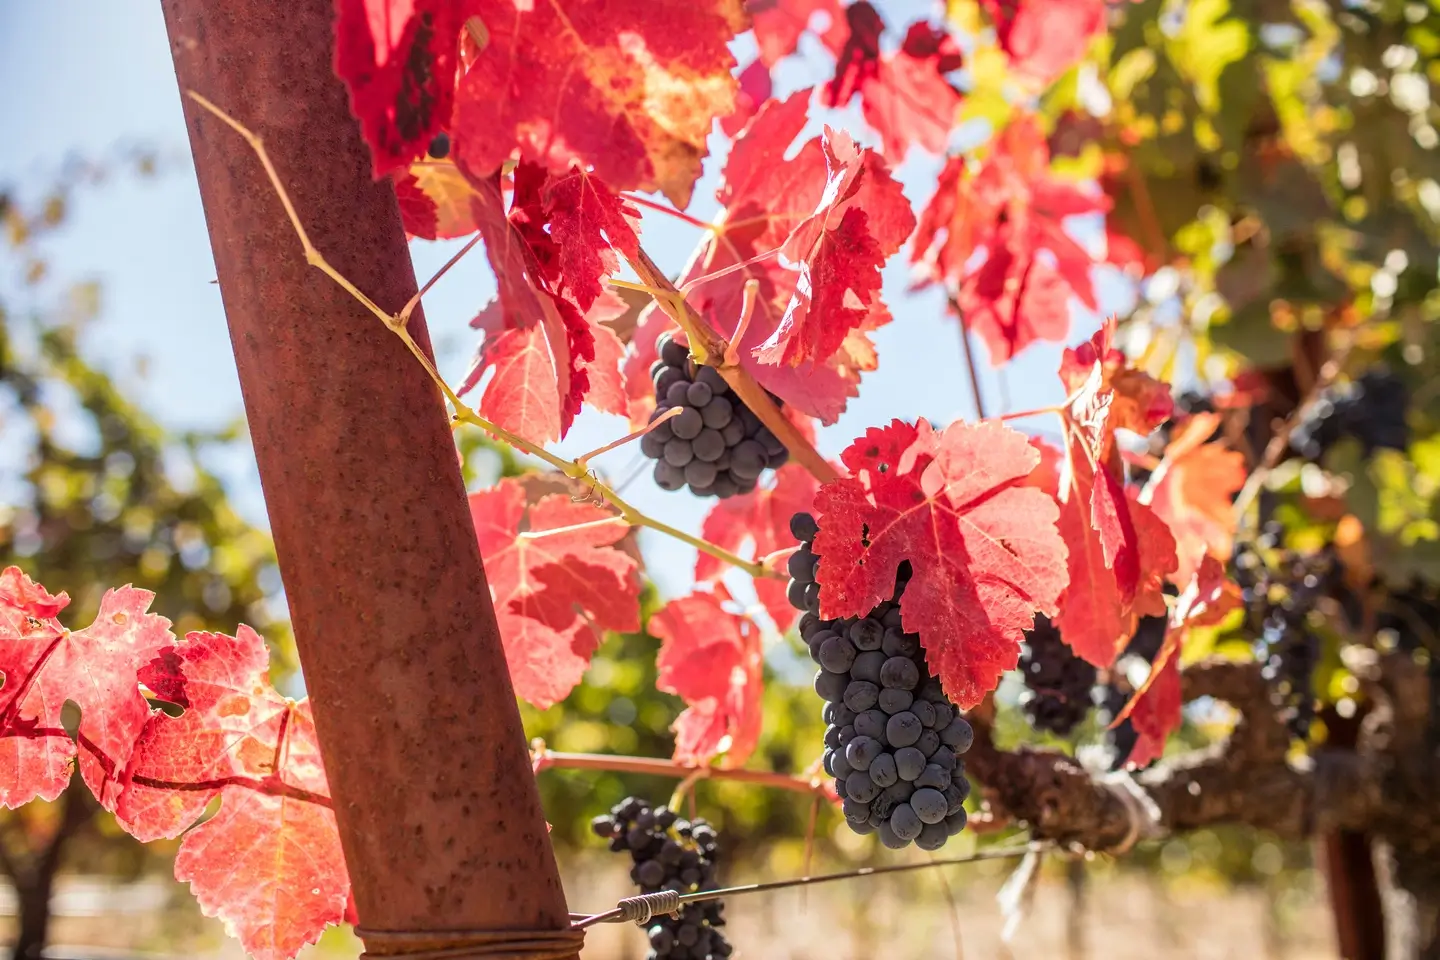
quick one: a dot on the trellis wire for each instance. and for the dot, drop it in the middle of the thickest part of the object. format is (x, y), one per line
(641, 908)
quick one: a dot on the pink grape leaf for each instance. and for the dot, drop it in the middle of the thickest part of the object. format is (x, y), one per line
(1013, 209)
(44, 665)
(607, 386)
(761, 519)
(1156, 707)
(779, 24)
(711, 658)
(766, 194)
(399, 60)
(904, 96)
(628, 88)
(983, 547)
(863, 218)
(1044, 38)
(554, 594)
(269, 862)
(1193, 490)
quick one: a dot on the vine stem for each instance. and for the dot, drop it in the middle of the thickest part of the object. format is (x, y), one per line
(654, 766)
(396, 324)
(969, 359)
(709, 347)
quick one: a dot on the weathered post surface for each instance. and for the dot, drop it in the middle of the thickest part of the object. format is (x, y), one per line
(426, 757)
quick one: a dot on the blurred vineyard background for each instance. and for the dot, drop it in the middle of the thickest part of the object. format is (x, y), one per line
(1287, 148)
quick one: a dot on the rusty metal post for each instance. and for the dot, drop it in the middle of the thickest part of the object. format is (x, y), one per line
(438, 811)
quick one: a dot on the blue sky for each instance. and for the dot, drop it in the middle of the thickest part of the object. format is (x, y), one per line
(87, 75)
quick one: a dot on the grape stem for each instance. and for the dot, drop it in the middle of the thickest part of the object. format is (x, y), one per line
(636, 435)
(709, 347)
(669, 211)
(543, 759)
(397, 324)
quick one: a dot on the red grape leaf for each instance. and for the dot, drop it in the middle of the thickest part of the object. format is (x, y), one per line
(755, 89)
(712, 659)
(437, 202)
(1012, 209)
(554, 594)
(548, 253)
(1192, 491)
(269, 862)
(1108, 592)
(629, 88)
(779, 25)
(863, 218)
(1044, 38)
(1119, 551)
(44, 665)
(760, 518)
(589, 224)
(983, 547)
(399, 61)
(765, 196)
(1156, 714)
(1140, 403)
(1155, 708)
(904, 96)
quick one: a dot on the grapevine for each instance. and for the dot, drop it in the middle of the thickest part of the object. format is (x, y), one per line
(1274, 375)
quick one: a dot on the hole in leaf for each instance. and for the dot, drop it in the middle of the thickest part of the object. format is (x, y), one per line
(70, 717)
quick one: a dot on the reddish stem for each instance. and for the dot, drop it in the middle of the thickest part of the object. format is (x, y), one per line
(655, 766)
(671, 211)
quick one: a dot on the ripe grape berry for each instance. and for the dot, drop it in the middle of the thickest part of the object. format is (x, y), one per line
(715, 444)
(1058, 683)
(1280, 597)
(670, 853)
(1370, 409)
(893, 738)
(439, 146)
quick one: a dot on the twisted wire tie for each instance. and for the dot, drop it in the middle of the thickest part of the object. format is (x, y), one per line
(641, 908)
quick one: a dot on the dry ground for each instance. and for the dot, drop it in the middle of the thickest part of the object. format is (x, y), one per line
(1123, 916)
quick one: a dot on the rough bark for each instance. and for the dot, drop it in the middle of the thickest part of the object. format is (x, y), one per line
(1387, 787)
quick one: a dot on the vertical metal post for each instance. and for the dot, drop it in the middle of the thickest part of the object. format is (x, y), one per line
(438, 811)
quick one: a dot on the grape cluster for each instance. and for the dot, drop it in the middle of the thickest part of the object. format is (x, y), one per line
(1279, 599)
(1058, 683)
(893, 739)
(670, 853)
(1370, 409)
(715, 444)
